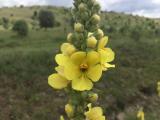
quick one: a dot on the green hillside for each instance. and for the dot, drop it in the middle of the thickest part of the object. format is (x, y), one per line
(26, 62)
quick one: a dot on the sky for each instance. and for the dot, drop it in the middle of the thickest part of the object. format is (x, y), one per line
(147, 8)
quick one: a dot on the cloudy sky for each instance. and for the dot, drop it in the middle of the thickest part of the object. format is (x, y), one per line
(148, 8)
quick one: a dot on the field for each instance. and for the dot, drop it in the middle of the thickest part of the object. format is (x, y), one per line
(26, 62)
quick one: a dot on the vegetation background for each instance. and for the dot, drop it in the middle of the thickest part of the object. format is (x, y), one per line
(26, 62)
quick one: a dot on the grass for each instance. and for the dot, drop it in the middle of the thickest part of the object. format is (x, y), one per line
(25, 64)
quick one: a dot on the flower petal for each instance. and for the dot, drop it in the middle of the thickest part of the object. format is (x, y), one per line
(103, 42)
(78, 57)
(93, 58)
(106, 66)
(72, 71)
(82, 84)
(94, 72)
(60, 70)
(110, 54)
(57, 81)
(97, 110)
(94, 113)
(61, 59)
(101, 118)
(106, 55)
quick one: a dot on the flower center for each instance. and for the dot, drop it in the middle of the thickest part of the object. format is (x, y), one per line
(83, 67)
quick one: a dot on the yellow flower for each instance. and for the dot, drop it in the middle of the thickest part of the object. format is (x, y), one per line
(67, 49)
(106, 54)
(82, 68)
(158, 88)
(94, 113)
(61, 117)
(140, 114)
(93, 97)
(69, 110)
(91, 42)
(78, 27)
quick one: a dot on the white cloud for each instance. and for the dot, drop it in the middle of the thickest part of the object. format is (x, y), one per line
(150, 14)
(148, 8)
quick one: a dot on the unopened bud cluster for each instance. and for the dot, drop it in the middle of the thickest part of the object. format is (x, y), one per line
(87, 18)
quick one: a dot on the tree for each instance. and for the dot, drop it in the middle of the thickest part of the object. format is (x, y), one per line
(21, 27)
(46, 19)
(35, 15)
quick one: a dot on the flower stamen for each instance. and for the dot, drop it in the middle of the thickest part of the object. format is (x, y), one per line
(83, 67)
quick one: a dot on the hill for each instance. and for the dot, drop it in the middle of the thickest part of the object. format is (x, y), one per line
(26, 62)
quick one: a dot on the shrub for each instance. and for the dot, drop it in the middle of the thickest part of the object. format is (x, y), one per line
(46, 19)
(21, 27)
(135, 33)
(5, 22)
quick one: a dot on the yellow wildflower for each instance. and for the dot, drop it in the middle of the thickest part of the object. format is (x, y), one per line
(106, 54)
(69, 110)
(91, 42)
(158, 88)
(67, 49)
(82, 68)
(140, 114)
(94, 113)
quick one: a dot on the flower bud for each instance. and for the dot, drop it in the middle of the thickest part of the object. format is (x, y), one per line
(158, 83)
(92, 2)
(67, 49)
(91, 42)
(61, 117)
(100, 33)
(78, 27)
(96, 6)
(96, 18)
(82, 7)
(69, 110)
(90, 34)
(93, 97)
(69, 37)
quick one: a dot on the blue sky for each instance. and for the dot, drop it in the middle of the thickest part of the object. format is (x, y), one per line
(148, 8)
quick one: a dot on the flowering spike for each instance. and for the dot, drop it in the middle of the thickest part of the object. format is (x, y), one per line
(82, 59)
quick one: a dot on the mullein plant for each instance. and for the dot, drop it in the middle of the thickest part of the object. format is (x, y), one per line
(83, 59)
